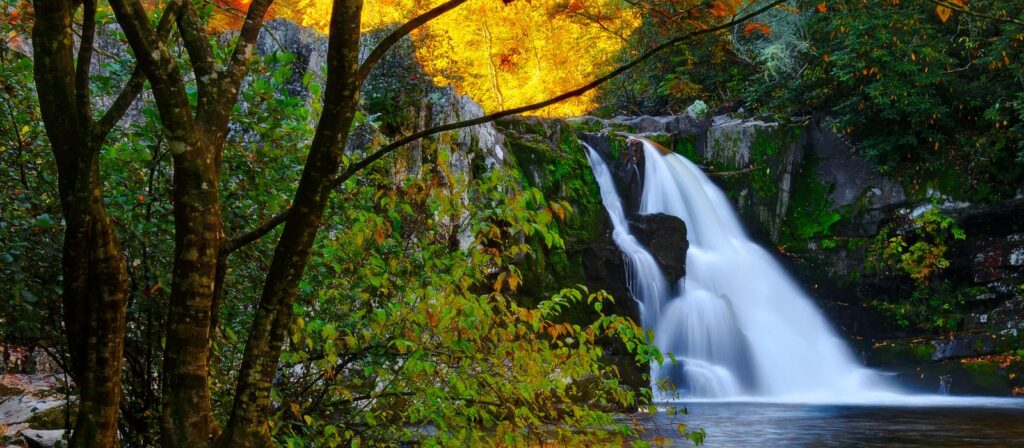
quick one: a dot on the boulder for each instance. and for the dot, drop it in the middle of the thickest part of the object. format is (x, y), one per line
(852, 176)
(43, 438)
(664, 236)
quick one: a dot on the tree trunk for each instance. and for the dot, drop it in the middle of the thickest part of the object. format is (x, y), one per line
(95, 278)
(248, 426)
(95, 287)
(187, 419)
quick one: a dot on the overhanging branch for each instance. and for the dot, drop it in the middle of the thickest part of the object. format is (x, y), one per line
(382, 48)
(963, 9)
(387, 149)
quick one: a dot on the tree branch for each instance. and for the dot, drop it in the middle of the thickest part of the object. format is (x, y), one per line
(84, 64)
(237, 66)
(199, 52)
(357, 166)
(161, 69)
(965, 10)
(255, 234)
(133, 88)
(383, 46)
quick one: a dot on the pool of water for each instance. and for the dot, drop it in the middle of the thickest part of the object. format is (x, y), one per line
(943, 424)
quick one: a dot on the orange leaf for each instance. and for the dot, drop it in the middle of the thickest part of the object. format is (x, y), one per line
(720, 9)
(822, 7)
(759, 27)
(943, 13)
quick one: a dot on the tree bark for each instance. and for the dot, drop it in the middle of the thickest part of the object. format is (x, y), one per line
(248, 426)
(187, 419)
(95, 278)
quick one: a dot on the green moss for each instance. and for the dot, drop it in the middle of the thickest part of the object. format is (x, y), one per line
(989, 376)
(810, 214)
(52, 418)
(923, 352)
(561, 172)
(902, 353)
(686, 146)
(586, 126)
(617, 148)
(661, 139)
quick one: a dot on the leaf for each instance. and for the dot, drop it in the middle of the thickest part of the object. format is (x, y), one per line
(759, 27)
(719, 9)
(822, 7)
(943, 13)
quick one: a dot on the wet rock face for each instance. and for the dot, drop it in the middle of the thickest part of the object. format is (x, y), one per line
(664, 236)
(604, 268)
(852, 176)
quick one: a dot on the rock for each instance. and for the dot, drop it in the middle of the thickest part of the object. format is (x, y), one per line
(852, 176)
(664, 236)
(308, 46)
(670, 124)
(730, 141)
(988, 258)
(21, 408)
(965, 346)
(44, 438)
(28, 403)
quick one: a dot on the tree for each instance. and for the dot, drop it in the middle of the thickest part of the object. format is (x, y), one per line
(196, 132)
(94, 277)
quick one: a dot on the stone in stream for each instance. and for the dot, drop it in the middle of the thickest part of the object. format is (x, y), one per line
(664, 236)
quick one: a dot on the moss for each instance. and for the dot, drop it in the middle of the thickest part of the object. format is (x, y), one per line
(586, 126)
(989, 376)
(52, 418)
(901, 353)
(810, 214)
(661, 139)
(923, 352)
(686, 146)
(561, 171)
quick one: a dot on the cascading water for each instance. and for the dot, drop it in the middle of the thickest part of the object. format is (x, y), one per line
(643, 276)
(739, 326)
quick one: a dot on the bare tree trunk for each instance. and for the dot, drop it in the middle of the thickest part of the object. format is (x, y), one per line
(95, 277)
(187, 419)
(248, 426)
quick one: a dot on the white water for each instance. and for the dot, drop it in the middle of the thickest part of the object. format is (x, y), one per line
(739, 326)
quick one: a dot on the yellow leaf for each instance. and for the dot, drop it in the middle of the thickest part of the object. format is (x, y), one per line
(24, 129)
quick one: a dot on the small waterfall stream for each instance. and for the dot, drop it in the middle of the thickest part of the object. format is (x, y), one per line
(737, 323)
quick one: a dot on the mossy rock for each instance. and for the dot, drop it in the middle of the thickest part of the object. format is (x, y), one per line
(52, 418)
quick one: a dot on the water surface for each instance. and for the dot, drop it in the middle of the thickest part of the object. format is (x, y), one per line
(1000, 423)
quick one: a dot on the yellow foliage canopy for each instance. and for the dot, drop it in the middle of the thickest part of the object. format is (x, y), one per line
(505, 56)
(501, 55)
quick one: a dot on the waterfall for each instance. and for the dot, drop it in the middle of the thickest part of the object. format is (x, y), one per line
(737, 323)
(644, 279)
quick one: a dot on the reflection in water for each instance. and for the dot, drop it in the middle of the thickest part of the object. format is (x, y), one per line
(792, 425)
